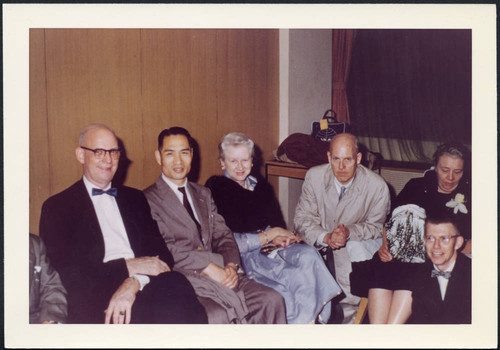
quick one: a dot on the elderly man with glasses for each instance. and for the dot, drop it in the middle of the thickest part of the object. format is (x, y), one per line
(442, 287)
(107, 248)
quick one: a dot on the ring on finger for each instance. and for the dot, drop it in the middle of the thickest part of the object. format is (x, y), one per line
(122, 313)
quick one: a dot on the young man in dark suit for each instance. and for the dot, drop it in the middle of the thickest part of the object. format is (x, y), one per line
(442, 287)
(107, 248)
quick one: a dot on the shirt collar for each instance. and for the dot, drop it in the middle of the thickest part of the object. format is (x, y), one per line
(338, 185)
(172, 185)
(450, 268)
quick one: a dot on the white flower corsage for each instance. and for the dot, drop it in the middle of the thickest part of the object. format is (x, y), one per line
(458, 204)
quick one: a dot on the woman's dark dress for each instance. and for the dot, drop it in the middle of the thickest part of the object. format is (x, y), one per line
(423, 192)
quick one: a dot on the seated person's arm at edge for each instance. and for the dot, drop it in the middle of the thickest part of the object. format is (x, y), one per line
(52, 294)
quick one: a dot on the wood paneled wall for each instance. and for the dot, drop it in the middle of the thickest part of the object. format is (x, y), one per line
(140, 81)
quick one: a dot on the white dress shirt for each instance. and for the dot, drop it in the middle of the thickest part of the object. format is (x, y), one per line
(116, 243)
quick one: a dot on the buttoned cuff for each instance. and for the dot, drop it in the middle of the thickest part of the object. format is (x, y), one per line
(142, 279)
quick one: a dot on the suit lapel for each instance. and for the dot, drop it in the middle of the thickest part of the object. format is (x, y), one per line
(455, 282)
(86, 220)
(200, 206)
(331, 198)
(432, 289)
(174, 205)
(127, 214)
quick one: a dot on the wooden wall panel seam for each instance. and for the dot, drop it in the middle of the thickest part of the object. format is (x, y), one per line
(47, 105)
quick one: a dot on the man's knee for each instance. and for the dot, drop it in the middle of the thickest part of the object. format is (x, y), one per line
(173, 299)
(216, 314)
(265, 305)
(275, 299)
(275, 305)
(173, 283)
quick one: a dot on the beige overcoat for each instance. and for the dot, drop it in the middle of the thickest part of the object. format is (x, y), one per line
(362, 209)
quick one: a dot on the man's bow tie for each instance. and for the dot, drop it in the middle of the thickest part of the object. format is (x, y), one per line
(113, 191)
(445, 274)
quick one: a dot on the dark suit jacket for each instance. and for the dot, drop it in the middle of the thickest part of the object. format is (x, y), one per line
(428, 308)
(75, 246)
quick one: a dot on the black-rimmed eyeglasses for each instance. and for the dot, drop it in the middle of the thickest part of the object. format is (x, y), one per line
(100, 153)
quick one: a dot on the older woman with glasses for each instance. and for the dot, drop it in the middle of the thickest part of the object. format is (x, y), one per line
(270, 254)
(442, 191)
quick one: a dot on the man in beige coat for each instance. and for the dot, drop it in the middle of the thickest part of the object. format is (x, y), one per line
(343, 207)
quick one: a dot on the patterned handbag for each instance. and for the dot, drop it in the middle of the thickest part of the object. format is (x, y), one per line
(328, 127)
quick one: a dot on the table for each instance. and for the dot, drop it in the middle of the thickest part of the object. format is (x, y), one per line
(278, 168)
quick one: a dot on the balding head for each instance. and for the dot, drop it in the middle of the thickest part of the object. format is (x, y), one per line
(344, 157)
(345, 138)
(85, 131)
(98, 169)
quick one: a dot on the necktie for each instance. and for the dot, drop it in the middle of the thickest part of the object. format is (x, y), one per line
(112, 191)
(186, 204)
(445, 274)
(342, 191)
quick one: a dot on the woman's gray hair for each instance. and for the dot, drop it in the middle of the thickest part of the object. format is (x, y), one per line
(454, 149)
(235, 139)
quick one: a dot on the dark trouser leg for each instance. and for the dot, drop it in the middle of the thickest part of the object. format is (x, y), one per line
(265, 305)
(337, 314)
(168, 298)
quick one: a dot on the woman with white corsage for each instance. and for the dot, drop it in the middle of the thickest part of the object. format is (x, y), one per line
(444, 190)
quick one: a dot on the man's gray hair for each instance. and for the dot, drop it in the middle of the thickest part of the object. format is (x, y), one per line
(81, 138)
(235, 139)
